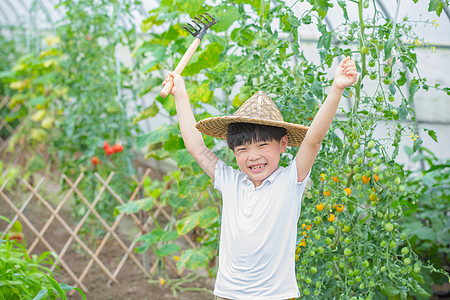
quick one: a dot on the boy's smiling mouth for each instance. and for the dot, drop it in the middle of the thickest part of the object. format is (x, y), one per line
(258, 167)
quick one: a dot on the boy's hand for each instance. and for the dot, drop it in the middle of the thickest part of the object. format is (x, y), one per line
(345, 74)
(179, 87)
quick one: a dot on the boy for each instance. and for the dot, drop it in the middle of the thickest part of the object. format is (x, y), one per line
(261, 202)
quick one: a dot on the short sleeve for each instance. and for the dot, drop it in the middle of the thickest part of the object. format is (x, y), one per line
(223, 175)
(291, 171)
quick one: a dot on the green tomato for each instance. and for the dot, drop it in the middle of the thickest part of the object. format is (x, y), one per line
(405, 250)
(320, 250)
(365, 263)
(383, 269)
(386, 69)
(329, 273)
(389, 227)
(358, 279)
(348, 240)
(392, 244)
(387, 80)
(366, 4)
(372, 63)
(308, 280)
(407, 261)
(317, 220)
(331, 230)
(383, 243)
(416, 268)
(347, 228)
(347, 252)
(364, 50)
(373, 75)
(328, 241)
(306, 292)
(313, 270)
(370, 144)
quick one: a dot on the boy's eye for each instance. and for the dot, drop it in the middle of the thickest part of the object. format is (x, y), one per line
(263, 144)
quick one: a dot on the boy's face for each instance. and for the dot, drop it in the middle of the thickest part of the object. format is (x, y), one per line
(260, 159)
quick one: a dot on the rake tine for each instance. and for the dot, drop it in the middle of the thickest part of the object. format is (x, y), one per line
(214, 20)
(188, 30)
(200, 20)
(199, 26)
(207, 21)
(193, 28)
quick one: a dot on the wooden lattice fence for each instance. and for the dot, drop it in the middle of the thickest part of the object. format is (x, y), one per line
(36, 195)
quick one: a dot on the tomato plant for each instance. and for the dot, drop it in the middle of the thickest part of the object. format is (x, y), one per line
(357, 181)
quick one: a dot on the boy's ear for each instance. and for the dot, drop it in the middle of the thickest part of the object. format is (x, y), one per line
(283, 143)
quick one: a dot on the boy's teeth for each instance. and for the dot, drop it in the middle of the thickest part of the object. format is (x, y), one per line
(257, 167)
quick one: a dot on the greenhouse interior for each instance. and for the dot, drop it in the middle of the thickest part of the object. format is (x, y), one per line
(122, 121)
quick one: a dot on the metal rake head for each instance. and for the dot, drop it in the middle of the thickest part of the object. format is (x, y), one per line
(201, 30)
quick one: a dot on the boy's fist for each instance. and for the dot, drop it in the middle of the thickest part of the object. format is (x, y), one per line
(178, 83)
(345, 74)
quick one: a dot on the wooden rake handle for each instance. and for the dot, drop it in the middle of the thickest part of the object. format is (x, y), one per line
(180, 67)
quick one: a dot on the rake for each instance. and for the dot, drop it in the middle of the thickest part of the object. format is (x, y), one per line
(202, 24)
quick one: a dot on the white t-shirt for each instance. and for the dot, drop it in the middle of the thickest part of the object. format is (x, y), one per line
(258, 234)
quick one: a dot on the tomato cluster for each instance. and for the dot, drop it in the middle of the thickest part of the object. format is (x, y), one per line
(109, 150)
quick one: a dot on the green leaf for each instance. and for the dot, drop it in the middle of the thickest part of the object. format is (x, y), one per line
(402, 80)
(413, 88)
(168, 104)
(432, 134)
(184, 158)
(200, 92)
(195, 258)
(148, 112)
(167, 250)
(40, 100)
(40, 295)
(388, 48)
(208, 58)
(133, 207)
(225, 17)
(202, 218)
(425, 233)
(342, 4)
(389, 291)
(436, 5)
(158, 135)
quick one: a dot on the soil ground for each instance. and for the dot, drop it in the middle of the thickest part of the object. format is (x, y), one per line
(132, 283)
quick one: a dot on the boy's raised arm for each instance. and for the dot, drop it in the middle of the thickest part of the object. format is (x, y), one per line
(191, 136)
(345, 76)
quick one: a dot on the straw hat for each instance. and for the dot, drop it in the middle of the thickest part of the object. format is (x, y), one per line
(259, 109)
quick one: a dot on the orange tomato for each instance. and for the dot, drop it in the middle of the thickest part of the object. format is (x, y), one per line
(335, 179)
(375, 176)
(322, 177)
(327, 193)
(348, 191)
(319, 207)
(309, 227)
(340, 208)
(365, 179)
(331, 218)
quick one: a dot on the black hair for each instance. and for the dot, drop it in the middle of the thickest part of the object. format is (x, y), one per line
(245, 133)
